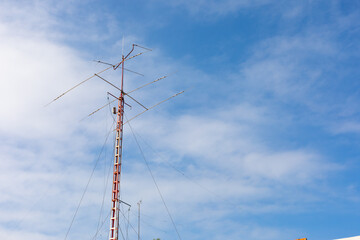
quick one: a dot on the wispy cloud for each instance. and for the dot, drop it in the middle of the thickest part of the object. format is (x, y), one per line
(238, 159)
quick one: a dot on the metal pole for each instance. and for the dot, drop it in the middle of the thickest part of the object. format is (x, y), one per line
(114, 218)
(139, 220)
(115, 210)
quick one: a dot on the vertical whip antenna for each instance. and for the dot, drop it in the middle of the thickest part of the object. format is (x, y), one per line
(122, 47)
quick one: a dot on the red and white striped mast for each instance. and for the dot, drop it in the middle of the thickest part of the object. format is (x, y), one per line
(115, 198)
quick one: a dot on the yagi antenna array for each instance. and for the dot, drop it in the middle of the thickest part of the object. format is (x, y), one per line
(104, 70)
(156, 80)
(115, 66)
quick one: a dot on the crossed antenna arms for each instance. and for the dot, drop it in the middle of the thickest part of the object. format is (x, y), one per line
(125, 94)
(104, 70)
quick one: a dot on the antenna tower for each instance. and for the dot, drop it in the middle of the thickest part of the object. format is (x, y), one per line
(115, 198)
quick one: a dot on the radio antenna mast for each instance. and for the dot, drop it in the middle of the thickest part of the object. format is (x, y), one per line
(115, 198)
(115, 194)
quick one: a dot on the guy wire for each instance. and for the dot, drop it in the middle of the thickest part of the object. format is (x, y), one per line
(153, 178)
(87, 185)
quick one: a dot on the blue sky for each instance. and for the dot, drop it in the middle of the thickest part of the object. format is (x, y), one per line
(267, 133)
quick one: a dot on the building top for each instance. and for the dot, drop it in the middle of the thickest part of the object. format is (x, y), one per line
(350, 238)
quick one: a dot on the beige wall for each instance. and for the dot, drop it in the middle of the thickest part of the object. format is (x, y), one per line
(350, 238)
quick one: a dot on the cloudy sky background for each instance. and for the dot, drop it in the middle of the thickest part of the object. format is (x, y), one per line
(264, 144)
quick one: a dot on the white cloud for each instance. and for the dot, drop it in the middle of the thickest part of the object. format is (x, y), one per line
(281, 66)
(42, 169)
(295, 166)
(229, 144)
(47, 150)
(346, 127)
